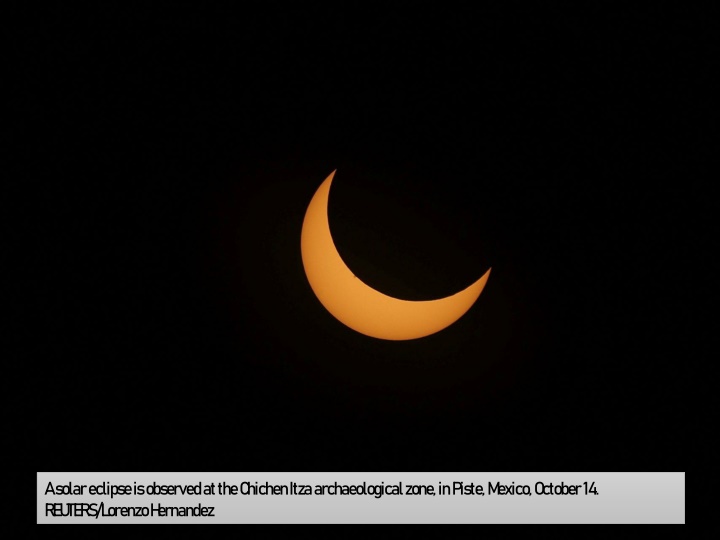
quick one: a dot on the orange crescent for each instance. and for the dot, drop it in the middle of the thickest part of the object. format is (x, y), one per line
(358, 305)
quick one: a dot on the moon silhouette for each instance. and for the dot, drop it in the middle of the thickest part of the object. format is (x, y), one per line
(358, 305)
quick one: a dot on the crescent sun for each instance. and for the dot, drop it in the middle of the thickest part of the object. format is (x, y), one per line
(356, 304)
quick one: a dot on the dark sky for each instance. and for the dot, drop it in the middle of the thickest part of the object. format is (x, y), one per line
(182, 151)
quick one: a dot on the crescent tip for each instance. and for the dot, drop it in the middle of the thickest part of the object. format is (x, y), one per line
(329, 179)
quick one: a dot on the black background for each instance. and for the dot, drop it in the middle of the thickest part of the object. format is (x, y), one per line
(179, 330)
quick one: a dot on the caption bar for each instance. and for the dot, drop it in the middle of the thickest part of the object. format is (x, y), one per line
(268, 498)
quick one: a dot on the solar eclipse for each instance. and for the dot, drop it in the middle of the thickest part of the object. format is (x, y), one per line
(359, 306)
